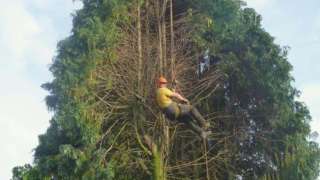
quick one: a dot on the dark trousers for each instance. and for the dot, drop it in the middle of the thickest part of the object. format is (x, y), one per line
(186, 114)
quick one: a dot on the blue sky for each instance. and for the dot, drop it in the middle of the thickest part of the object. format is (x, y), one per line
(30, 30)
(297, 24)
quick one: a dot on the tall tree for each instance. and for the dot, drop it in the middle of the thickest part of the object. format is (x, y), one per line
(106, 124)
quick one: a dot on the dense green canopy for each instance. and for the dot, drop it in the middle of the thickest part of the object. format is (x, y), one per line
(106, 124)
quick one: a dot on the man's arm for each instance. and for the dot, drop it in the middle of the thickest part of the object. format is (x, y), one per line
(178, 96)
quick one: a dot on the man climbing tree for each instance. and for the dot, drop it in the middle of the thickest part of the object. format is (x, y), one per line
(184, 113)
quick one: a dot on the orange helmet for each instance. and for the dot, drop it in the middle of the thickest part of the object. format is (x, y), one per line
(162, 80)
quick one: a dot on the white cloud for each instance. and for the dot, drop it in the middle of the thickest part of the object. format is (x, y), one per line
(259, 5)
(31, 37)
(16, 29)
(49, 4)
(20, 31)
(316, 29)
(310, 95)
(23, 116)
(29, 31)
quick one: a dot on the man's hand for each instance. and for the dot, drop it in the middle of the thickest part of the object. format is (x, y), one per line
(186, 100)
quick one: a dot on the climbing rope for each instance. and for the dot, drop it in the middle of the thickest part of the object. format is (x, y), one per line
(206, 157)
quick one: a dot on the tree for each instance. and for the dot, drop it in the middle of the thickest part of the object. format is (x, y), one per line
(107, 125)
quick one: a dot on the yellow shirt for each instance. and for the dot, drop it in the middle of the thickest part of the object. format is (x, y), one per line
(163, 97)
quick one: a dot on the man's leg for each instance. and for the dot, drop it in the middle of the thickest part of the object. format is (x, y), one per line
(172, 111)
(194, 127)
(199, 118)
(188, 110)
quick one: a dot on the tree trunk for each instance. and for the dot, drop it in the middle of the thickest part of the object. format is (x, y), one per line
(159, 37)
(164, 37)
(172, 41)
(139, 49)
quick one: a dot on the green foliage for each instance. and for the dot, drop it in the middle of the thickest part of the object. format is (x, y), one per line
(259, 93)
(26, 172)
